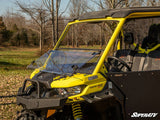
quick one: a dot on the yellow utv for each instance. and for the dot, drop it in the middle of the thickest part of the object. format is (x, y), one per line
(105, 66)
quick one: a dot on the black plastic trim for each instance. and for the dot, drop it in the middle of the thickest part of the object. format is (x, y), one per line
(42, 103)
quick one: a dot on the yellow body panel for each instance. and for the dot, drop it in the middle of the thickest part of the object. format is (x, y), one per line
(75, 80)
(93, 83)
(92, 86)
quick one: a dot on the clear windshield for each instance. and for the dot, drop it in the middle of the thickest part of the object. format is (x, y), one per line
(61, 61)
(69, 61)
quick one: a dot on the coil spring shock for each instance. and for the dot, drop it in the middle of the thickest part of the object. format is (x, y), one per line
(77, 112)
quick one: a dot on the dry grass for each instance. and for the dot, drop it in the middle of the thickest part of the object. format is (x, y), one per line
(9, 86)
(13, 72)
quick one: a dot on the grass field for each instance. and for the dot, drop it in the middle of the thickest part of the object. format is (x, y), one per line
(13, 72)
(14, 60)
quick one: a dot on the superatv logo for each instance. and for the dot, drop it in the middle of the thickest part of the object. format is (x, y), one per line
(142, 115)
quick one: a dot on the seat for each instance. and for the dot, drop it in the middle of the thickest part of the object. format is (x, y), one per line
(152, 39)
(135, 61)
(138, 62)
(152, 61)
(122, 54)
(142, 61)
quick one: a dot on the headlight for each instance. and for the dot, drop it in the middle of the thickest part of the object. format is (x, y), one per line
(70, 91)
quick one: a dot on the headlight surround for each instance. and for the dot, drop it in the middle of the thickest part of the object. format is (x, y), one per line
(70, 91)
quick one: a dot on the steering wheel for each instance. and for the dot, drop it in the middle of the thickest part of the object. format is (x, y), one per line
(117, 64)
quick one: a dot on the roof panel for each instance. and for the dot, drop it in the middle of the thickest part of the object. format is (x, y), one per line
(117, 13)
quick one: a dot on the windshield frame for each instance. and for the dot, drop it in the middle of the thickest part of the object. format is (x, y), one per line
(67, 28)
(108, 46)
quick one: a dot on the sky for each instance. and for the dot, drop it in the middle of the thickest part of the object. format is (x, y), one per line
(10, 4)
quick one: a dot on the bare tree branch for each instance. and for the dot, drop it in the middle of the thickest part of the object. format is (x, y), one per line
(99, 3)
(28, 11)
(38, 15)
(65, 8)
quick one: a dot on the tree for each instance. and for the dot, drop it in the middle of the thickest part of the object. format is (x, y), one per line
(38, 15)
(77, 8)
(2, 29)
(2, 25)
(110, 4)
(49, 4)
(11, 19)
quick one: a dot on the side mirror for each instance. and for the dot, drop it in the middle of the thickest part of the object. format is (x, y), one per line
(33, 62)
(32, 65)
(128, 38)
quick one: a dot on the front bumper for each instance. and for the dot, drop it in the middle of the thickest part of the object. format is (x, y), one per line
(40, 103)
(35, 101)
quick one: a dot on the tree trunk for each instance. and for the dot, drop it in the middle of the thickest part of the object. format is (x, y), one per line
(40, 41)
(67, 40)
(101, 37)
(56, 20)
(76, 35)
(53, 26)
(72, 35)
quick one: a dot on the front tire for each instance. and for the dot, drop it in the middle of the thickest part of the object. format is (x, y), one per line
(28, 115)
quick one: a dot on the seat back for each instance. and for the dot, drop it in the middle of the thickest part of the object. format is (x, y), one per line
(152, 61)
(152, 39)
(138, 62)
(122, 54)
(142, 61)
